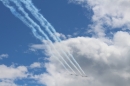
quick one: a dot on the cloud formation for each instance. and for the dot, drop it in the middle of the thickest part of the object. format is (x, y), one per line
(110, 13)
(35, 65)
(11, 73)
(104, 59)
(3, 56)
(105, 64)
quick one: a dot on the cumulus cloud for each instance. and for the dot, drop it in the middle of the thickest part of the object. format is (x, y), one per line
(9, 74)
(7, 83)
(105, 64)
(12, 72)
(35, 65)
(3, 56)
(109, 13)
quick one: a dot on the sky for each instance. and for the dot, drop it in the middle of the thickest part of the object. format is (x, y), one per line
(93, 32)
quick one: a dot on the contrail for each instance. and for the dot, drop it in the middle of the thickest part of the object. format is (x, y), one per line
(77, 63)
(42, 22)
(32, 25)
(37, 15)
(29, 5)
(28, 18)
(35, 25)
(16, 14)
(61, 62)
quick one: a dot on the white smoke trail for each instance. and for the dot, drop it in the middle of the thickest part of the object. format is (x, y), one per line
(39, 16)
(16, 14)
(60, 62)
(17, 3)
(32, 25)
(29, 5)
(35, 14)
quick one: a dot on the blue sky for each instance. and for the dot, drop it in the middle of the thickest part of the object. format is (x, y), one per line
(18, 37)
(89, 32)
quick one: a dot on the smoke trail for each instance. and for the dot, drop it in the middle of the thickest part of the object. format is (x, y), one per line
(32, 25)
(60, 61)
(29, 5)
(35, 14)
(14, 12)
(63, 63)
(38, 27)
(53, 30)
(26, 16)
(17, 3)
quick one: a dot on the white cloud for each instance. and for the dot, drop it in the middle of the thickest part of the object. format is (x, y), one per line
(112, 13)
(105, 61)
(60, 35)
(3, 56)
(56, 78)
(8, 74)
(105, 64)
(12, 72)
(35, 65)
(7, 83)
